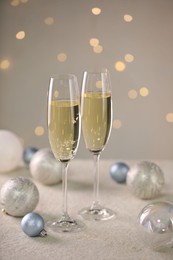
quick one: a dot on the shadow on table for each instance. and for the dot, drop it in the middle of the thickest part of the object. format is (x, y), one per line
(80, 185)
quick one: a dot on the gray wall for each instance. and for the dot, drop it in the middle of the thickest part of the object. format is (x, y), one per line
(145, 132)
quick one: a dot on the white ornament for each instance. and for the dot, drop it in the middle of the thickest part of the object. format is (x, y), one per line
(19, 196)
(11, 151)
(45, 168)
(145, 180)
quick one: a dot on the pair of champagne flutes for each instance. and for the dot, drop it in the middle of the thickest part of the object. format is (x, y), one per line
(68, 110)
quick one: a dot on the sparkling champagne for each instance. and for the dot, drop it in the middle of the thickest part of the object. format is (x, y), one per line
(64, 128)
(96, 120)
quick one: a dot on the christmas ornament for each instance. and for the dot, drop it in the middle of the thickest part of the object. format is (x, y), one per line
(145, 180)
(118, 172)
(11, 151)
(28, 154)
(32, 224)
(45, 168)
(156, 225)
(19, 196)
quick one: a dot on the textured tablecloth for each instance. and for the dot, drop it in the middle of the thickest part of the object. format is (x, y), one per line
(115, 239)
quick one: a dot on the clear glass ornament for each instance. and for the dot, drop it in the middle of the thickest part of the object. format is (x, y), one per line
(156, 225)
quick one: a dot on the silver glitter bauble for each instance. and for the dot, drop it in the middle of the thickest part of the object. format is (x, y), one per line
(19, 196)
(156, 225)
(32, 224)
(145, 180)
(45, 168)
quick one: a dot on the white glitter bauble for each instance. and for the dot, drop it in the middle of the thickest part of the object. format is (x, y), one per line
(11, 151)
(45, 168)
(145, 180)
(19, 196)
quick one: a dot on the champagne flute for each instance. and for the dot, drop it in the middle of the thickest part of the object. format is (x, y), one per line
(96, 113)
(64, 124)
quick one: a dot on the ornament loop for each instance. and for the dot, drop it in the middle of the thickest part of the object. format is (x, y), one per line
(43, 233)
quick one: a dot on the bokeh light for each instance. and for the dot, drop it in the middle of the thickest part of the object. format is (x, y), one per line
(98, 49)
(20, 35)
(39, 131)
(144, 91)
(117, 124)
(15, 2)
(49, 20)
(128, 18)
(120, 66)
(169, 117)
(94, 42)
(62, 57)
(132, 94)
(129, 57)
(23, 1)
(5, 64)
(56, 93)
(99, 84)
(96, 11)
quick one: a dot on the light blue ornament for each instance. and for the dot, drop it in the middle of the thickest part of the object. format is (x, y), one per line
(28, 154)
(33, 225)
(118, 172)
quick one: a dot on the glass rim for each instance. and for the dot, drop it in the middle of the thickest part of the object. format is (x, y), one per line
(99, 71)
(59, 75)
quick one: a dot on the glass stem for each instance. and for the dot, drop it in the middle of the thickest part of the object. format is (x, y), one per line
(64, 187)
(96, 179)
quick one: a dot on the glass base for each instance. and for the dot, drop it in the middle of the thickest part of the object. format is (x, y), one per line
(65, 224)
(97, 212)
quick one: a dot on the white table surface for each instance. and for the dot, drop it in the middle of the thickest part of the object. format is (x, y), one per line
(115, 239)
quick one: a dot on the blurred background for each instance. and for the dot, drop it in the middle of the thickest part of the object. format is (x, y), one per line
(132, 38)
